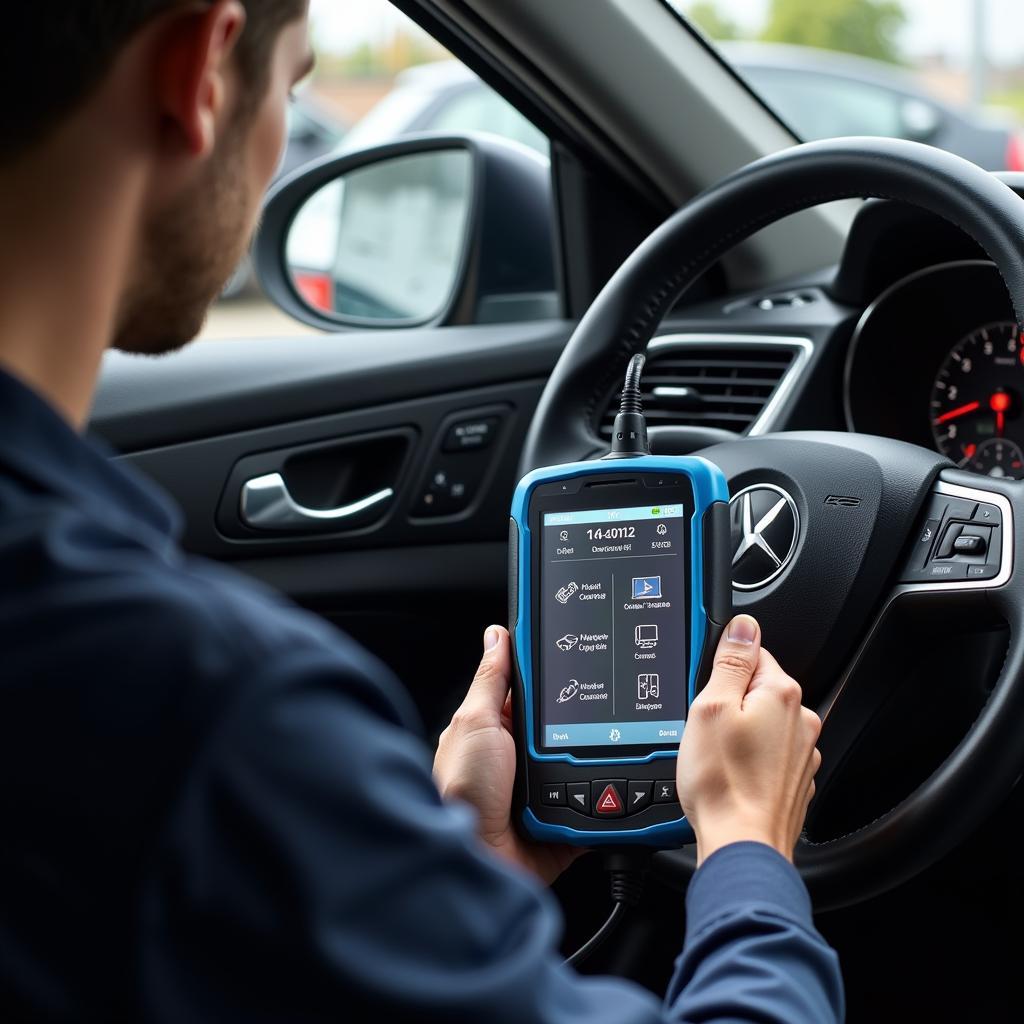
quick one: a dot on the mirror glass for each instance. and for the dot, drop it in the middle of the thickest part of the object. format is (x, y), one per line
(384, 243)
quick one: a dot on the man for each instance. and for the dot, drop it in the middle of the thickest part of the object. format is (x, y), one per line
(213, 805)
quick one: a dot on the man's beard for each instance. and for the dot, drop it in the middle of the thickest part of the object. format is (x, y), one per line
(189, 251)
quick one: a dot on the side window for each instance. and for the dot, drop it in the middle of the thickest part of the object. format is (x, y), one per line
(378, 77)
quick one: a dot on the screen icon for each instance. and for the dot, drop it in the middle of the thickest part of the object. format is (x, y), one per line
(615, 735)
(563, 595)
(564, 535)
(646, 637)
(662, 529)
(568, 692)
(646, 587)
(648, 685)
(567, 642)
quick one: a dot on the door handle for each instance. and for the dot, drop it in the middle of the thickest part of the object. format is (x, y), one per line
(267, 505)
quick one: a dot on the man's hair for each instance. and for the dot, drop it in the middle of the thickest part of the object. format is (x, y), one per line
(54, 53)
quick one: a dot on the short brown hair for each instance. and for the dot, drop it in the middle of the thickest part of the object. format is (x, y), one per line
(53, 53)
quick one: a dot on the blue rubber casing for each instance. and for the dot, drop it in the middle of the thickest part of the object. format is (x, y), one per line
(709, 487)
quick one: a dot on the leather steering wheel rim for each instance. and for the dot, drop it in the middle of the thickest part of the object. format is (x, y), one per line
(985, 765)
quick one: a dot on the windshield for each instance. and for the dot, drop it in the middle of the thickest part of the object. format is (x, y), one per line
(949, 74)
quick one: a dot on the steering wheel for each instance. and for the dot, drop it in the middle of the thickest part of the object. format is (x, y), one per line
(862, 505)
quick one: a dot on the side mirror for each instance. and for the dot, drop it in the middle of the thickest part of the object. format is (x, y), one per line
(429, 230)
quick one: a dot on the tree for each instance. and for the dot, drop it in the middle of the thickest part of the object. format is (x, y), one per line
(865, 27)
(715, 25)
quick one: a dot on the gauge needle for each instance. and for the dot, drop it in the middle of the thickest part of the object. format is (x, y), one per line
(960, 410)
(999, 403)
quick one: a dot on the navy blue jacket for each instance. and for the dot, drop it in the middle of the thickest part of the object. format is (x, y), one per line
(214, 807)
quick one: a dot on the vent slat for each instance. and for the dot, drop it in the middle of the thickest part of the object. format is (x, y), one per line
(730, 389)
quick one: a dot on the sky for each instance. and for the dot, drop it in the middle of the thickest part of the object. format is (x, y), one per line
(934, 26)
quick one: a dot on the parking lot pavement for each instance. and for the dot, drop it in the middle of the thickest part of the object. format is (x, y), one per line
(251, 317)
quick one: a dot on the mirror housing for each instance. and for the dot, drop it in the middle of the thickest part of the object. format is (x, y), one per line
(506, 261)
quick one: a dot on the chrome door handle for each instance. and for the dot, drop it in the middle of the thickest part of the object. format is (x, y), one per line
(267, 505)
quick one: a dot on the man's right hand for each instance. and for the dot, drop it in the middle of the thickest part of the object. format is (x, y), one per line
(748, 758)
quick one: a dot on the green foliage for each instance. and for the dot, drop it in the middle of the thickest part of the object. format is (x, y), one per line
(865, 27)
(715, 25)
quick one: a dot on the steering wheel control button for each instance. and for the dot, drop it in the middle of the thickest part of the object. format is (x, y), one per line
(638, 795)
(578, 796)
(470, 435)
(987, 514)
(553, 794)
(949, 539)
(969, 544)
(925, 542)
(982, 572)
(765, 528)
(665, 791)
(958, 508)
(608, 799)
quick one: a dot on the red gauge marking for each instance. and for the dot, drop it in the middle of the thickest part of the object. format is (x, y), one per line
(969, 450)
(961, 410)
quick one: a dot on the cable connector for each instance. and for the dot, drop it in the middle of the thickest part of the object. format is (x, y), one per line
(629, 435)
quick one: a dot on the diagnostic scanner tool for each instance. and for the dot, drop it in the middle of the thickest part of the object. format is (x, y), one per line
(620, 587)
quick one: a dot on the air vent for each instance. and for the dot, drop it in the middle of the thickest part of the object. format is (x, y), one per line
(702, 383)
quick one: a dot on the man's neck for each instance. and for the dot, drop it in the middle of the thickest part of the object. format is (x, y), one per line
(64, 258)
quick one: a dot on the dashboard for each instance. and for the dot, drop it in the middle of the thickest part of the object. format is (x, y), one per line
(937, 359)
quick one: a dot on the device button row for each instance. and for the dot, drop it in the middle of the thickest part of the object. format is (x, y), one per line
(609, 798)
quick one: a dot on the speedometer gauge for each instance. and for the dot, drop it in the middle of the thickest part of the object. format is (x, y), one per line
(976, 411)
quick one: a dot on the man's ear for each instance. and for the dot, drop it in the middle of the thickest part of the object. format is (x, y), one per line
(193, 73)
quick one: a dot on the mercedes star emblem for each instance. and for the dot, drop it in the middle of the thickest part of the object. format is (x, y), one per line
(765, 528)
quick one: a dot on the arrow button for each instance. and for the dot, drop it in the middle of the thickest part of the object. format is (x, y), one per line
(579, 796)
(638, 795)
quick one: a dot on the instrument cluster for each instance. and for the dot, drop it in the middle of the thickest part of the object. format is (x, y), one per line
(938, 360)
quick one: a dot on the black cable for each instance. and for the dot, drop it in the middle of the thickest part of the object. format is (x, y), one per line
(598, 938)
(629, 435)
(627, 870)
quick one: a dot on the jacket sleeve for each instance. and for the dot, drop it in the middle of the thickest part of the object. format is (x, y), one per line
(752, 952)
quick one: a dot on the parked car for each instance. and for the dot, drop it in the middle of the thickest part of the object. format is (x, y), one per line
(821, 94)
(441, 96)
(818, 93)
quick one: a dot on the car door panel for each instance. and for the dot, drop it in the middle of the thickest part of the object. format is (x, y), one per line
(206, 477)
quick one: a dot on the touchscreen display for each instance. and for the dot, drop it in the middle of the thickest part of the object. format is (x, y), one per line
(613, 586)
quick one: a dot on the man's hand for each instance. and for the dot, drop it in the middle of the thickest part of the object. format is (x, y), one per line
(748, 757)
(476, 763)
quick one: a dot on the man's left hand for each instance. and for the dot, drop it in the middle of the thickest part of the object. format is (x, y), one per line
(476, 763)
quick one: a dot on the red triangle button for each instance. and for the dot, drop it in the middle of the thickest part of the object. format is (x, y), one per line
(609, 802)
